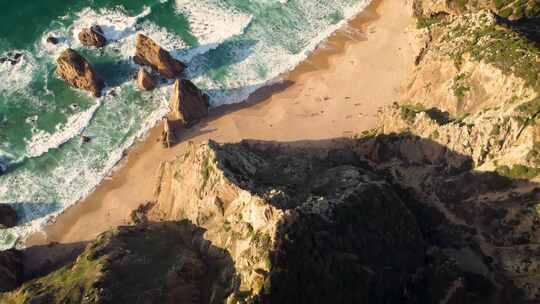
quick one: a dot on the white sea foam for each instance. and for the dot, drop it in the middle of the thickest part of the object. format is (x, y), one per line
(277, 59)
(43, 141)
(16, 77)
(212, 24)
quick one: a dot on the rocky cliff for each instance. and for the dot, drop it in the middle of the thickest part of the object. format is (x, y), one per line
(314, 227)
(512, 9)
(465, 135)
(151, 263)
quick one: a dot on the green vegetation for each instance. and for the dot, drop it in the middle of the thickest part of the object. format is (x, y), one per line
(460, 86)
(206, 170)
(426, 22)
(409, 112)
(518, 172)
(530, 108)
(154, 263)
(261, 240)
(486, 40)
(517, 8)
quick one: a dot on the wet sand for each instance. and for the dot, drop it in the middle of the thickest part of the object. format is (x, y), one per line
(335, 93)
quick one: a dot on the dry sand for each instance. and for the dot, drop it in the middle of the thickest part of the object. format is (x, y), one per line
(335, 93)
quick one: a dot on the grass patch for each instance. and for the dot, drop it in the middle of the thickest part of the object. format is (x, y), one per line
(408, 113)
(490, 41)
(518, 172)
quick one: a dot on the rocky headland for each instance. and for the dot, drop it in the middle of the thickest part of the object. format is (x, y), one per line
(438, 204)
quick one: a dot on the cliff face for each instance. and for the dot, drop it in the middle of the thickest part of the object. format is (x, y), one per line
(512, 9)
(465, 135)
(305, 227)
(154, 263)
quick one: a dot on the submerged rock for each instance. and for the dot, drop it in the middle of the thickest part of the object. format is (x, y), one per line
(145, 81)
(11, 57)
(11, 269)
(188, 104)
(149, 53)
(93, 36)
(8, 216)
(52, 40)
(75, 70)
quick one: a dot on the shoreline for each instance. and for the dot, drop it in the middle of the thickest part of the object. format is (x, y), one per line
(270, 113)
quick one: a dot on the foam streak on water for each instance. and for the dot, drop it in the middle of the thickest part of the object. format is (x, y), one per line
(232, 48)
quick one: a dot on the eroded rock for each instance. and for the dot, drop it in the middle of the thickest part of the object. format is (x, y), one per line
(149, 53)
(188, 104)
(93, 36)
(52, 40)
(76, 70)
(145, 81)
(168, 139)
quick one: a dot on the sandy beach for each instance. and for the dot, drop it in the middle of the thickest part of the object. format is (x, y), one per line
(335, 93)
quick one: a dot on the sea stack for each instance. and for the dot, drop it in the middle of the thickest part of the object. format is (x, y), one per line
(93, 36)
(75, 70)
(188, 103)
(145, 81)
(149, 53)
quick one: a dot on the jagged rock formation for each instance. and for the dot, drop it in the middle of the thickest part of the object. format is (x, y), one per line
(8, 216)
(168, 138)
(465, 136)
(52, 40)
(11, 269)
(93, 36)
(309, 228)
(154, 263)
(75, 70)
(188, 104)
(149, 53)
(489, 87)
(145, 81)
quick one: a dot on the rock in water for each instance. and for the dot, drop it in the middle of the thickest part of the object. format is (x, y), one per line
(74, 69)
(145, 81)
(8, 216)
(93, 36)
(11, 269)
(151, 54)
(52, 40)
(188, 103)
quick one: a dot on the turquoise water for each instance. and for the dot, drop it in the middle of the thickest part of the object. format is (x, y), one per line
(232, 47)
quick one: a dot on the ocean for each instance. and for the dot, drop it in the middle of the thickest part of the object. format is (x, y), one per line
(231, 47)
